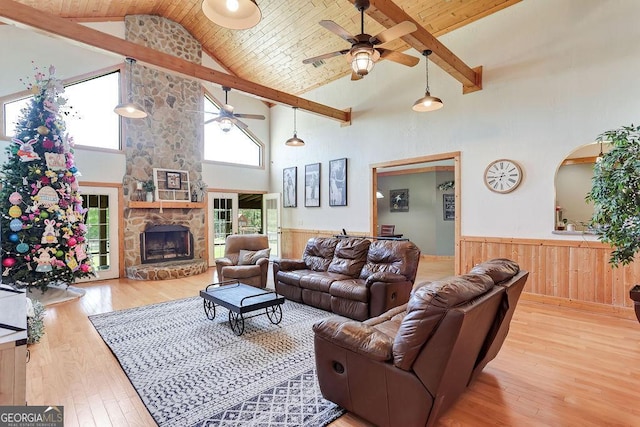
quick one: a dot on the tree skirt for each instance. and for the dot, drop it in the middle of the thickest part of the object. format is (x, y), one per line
(56, 293)
(191, 371)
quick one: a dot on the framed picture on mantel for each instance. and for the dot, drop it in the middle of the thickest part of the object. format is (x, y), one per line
(172, 185)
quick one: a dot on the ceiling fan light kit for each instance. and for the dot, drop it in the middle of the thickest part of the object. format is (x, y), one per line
(365, 49)
(130, 109)
(294, 141)
(427, 102)
(232, 14)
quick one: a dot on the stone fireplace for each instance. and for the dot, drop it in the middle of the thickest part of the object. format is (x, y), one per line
(169, 138)
(159, 243)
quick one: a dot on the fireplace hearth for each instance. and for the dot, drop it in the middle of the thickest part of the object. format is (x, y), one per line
(169, 242)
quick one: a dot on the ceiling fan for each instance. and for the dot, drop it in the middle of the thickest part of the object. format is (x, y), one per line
(366, 50)
(227, 118)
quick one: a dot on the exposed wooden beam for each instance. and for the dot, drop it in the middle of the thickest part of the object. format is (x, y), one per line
(25, 16)
(387, 13)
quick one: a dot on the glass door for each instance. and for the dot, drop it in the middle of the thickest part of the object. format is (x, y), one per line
(223, 220)
(271, 226)
(102, 231)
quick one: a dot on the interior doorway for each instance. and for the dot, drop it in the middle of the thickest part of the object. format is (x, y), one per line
(448, 202)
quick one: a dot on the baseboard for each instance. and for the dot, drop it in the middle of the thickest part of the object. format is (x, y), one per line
(621, 312)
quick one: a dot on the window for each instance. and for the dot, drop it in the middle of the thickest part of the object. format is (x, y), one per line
(92, 121)
(97, 220)
(236, 146)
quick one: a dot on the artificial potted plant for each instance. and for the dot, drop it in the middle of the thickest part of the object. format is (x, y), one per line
(615, 194)
(149, 187)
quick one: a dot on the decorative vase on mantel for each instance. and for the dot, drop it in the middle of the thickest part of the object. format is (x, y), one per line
(149, 196)
(634, 293)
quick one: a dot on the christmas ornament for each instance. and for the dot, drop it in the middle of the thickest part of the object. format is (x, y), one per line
(13, 237)
(49, 234)
(71, 262)
(26, 152)
(47, 144)
(43, 260)
(8, 262)
(59, 253)
(85, 268)
(72, 241)
(15, 198)
(81, 253)
(47, 196)
(15, 225)
(15, 211)
(22, 247)
(44, 214)
(43, 130)
(55, 161)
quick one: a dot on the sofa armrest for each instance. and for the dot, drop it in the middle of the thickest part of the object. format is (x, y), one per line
(224, 261)
(289, 264)
(357, 337)
(385, 276)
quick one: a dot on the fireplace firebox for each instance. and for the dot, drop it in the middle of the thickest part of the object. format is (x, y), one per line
(160, 243)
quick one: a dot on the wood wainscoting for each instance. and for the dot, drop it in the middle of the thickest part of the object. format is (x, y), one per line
(563, 272)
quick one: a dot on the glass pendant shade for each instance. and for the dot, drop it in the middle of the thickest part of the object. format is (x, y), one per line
(362, 63)
(427, 102)
(130, 109)
(225, 124)
(294, 141)
(232, 14)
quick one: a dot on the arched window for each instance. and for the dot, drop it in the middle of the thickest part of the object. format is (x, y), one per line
(236, 146)
(91, 121)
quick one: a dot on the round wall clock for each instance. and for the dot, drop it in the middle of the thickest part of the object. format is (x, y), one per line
(503, 176)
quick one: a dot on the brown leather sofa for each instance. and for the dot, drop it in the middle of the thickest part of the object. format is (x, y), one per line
(246, 258)
(353, 277)
(409, 365)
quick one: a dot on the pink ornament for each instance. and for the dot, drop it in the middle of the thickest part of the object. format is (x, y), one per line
(85, 268)
(47, 144)
(72, 241)
(8, 262)
(15, 198)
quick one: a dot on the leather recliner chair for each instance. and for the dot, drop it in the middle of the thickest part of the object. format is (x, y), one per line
(410, 364)
(246, 259)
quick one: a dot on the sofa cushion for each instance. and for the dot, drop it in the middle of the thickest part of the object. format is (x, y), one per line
(251, 257)
(238, 272)
(399, 257)
(320, 281)
(349, 256)
(499, 269)
(353, 289)
(426, 308)
(319, 252)
(292, 277)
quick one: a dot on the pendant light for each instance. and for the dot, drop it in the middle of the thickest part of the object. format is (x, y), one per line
(295, 141)
(232, 14)
(427, 102)
(130, 109)
(601, 155)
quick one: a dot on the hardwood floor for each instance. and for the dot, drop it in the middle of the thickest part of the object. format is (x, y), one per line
(558, 367)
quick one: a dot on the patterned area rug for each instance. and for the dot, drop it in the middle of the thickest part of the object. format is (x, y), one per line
(191, 371)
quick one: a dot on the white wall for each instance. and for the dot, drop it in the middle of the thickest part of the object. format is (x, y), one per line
(20, 47)
(556, 75)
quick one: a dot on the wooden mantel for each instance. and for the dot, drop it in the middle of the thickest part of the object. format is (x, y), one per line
(166, 205)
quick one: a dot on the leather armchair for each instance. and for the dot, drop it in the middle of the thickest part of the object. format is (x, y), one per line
(246, 258)
(410, 364)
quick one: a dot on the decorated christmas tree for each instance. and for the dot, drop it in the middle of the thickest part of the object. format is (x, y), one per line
(42, 218)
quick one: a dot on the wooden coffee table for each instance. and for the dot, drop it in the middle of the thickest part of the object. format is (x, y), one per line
(240, 299)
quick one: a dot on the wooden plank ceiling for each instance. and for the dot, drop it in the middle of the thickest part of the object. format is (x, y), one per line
(271, 53)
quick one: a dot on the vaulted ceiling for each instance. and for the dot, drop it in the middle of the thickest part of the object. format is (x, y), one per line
(271, 53)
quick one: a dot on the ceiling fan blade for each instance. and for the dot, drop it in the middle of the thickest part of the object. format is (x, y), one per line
(397, 31)
(325, 56)
(250, 116)
(242, 125)
(338, 30)
(399, 57)
(215, 119)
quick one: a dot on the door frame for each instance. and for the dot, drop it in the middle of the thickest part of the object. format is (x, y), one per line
(455, 156)
(277, 198)
(211, 196)
(118, 214)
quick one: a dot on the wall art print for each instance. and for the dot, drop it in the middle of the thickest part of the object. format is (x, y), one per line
(290, 187)
(399, 200)
(312, 185)
(338, 182)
